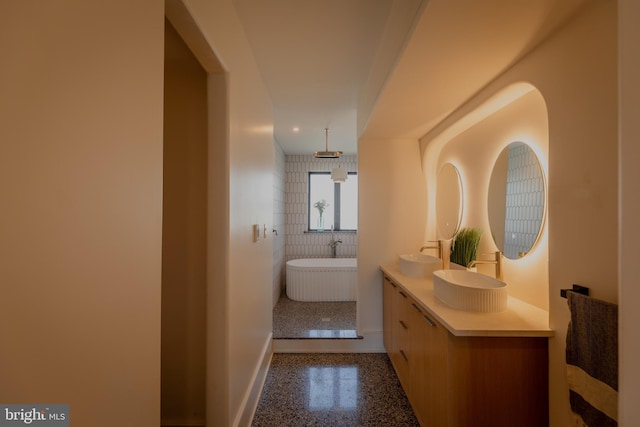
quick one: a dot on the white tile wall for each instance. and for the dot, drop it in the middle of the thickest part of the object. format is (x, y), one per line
(311, 245)
(525, 200)
(278, 223)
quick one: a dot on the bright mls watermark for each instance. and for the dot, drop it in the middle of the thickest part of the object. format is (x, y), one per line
(35, 415)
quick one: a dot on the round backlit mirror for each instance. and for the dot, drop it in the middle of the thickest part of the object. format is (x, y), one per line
(448, 201)
(516, 200)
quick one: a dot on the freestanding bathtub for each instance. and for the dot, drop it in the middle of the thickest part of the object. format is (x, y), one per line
(322, 279)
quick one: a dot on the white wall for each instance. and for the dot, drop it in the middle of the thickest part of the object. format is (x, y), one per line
(245, 343)
(575, 71)
(629, 232)
(278, 223)
(391, 221)
(581, 94)
(474, 152)
(81, 191)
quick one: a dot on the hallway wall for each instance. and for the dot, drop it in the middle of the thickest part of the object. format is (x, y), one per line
(279, 220)
(474, 152)
(184, 236)
(576, 73)
(391, 221)
(629, 230)
(81, 191)
(240, 279)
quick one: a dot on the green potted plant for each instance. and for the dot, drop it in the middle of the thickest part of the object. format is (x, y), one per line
(465, 246)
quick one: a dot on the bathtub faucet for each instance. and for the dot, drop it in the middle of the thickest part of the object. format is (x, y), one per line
(334, 244)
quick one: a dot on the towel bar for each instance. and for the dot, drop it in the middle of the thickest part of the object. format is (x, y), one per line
(576, 288)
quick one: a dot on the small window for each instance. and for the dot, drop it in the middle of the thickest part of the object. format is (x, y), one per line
(332, 204)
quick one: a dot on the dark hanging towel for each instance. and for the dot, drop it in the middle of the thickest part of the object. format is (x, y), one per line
(592, 361)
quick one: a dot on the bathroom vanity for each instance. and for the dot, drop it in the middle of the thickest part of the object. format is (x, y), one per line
(463, 368)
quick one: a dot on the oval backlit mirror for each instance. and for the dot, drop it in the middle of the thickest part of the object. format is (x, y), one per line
(448, 201)
(516, 200)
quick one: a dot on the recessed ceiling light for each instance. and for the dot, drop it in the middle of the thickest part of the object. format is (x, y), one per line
(296, 129)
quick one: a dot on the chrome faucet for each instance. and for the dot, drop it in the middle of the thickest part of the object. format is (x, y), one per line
(497, 262)
(334, 244)
(439, 247)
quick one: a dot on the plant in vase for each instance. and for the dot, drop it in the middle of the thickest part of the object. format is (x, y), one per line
(321, 205)
(465, 246)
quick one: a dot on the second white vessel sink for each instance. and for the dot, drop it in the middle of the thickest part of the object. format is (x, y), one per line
(418, 265)
(470, 291)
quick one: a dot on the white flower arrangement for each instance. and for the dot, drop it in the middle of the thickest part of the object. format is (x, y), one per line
(321, 205)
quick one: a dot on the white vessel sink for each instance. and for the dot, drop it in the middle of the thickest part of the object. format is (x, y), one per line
(419, 265)
(470, 291)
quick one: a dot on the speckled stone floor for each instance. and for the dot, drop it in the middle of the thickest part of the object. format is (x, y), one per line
(333, 390)
(296, 320)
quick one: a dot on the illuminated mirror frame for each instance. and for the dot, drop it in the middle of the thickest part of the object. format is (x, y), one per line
(523, 217)
(449, 201)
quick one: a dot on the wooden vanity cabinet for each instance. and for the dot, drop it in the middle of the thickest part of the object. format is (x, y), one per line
(428, 367)
(498, 381)
(395, 318)
(388, 314)
(460, 381)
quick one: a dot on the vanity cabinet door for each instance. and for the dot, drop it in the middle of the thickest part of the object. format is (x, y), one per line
(403, 361)
(388, 313)
(419, 364)
(435, 381)
(429, 368)
(396, 334)
(498, 381)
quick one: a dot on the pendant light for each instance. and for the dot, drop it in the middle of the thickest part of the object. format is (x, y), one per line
(339, 174)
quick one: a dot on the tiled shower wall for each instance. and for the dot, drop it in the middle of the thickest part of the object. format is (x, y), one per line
(299, 242)
(278, 223)
(525, 200)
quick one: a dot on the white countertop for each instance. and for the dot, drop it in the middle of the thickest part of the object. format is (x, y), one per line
(520, 319)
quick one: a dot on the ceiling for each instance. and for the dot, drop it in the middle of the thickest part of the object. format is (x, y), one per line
(384, 68)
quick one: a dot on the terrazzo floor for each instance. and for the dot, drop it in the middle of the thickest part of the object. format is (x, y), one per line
(298, 320)
(328, 389)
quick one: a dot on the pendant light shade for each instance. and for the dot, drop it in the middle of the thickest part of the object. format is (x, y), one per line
(339, 174)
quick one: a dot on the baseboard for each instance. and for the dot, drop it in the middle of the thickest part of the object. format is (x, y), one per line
(371, 342)
(252, 395)
(189, 423)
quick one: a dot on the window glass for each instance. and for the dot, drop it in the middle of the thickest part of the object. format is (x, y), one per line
(332, 204)
(349, 203)
(321, 203)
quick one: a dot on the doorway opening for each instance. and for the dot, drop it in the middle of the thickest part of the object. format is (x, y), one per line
(193, 378)
(299, 190)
